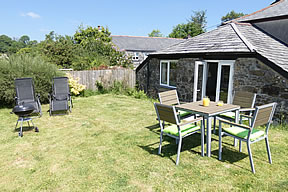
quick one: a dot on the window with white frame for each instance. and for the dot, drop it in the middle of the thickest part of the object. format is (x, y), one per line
(135, 57)
(168, 73)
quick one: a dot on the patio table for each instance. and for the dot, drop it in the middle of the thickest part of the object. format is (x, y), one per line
(208, 113)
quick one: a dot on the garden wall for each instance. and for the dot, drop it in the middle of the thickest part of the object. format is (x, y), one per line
(106, 77)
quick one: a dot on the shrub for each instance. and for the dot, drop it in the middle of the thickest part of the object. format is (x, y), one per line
(75, 87)
(120, 88)
(19, 66)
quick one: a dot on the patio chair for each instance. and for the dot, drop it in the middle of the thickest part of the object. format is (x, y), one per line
(171, 98)
(246, 100)
(60, 98)
(178, 130)
(25, 94)
(262, 116)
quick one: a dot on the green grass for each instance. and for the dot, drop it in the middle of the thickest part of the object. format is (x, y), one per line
(110, 143)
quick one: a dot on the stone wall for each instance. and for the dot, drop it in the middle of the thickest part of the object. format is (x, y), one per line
(250, 75)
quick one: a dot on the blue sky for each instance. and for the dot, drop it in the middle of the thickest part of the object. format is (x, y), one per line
(36, 18)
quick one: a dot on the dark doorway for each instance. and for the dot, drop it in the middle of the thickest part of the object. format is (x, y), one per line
(211, 80)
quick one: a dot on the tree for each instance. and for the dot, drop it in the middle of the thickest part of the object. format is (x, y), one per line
(155, 33)
(231, 15)
(195, 26)
(24, 39)
(5, 43)
(199, 18)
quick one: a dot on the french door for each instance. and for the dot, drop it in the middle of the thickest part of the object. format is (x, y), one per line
(213, 79)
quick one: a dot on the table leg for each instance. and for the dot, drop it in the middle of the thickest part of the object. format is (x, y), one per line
(208, 147)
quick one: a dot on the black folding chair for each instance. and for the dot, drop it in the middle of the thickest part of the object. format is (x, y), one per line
(28, 104)
(60, 98)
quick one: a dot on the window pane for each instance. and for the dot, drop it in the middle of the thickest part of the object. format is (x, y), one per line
(224, 83)
(164, 72)
(173, 73)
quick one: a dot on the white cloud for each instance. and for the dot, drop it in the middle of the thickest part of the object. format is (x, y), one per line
(31, 14)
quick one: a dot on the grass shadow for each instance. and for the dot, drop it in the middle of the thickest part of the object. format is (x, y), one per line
(154, 128)
(24, 129)
(170, 149)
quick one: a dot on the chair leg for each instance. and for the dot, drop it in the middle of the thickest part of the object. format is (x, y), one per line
(235, 142)
(202, 138)
(214, 129)
(160, 144)
(268, 150)
(220, 142)
(250, 157)
(240, 146)
(178, 151)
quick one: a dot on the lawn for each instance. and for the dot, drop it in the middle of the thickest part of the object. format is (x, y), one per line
(110, 142)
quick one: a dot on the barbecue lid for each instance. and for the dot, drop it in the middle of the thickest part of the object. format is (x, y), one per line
(23, 108)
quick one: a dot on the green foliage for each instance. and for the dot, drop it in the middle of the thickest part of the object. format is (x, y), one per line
(19, 66)
(231, 15)
(58, 49)
(83, 36)
(9, 46)
(195, 26)
(155, 33)
(98, 50)
(117, 88)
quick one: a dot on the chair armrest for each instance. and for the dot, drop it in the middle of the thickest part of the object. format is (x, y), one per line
(246, 109)
(234, 124)
(182, 102)
(192, 121)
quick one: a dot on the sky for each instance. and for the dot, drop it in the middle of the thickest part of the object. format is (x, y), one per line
(36, 18)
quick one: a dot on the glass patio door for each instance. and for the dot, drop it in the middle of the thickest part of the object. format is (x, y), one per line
(213, 79)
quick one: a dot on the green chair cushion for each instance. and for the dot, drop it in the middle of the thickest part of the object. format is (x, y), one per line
(229, 114)
(184, 113)
(243, 133)
(173, 130)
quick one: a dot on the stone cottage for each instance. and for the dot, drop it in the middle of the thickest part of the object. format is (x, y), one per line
(249, 54)
(139, 47)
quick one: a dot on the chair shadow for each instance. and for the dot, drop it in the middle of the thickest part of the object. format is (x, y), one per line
(170, 149)
(154, 128)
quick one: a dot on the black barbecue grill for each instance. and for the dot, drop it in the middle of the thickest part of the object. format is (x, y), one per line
(23, 112)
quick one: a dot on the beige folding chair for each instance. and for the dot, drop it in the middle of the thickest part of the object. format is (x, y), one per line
(171, 98)
(246, 100)
(178, 130)
(262, 116)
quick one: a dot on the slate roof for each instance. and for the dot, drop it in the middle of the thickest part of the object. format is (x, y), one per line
(149, 44)
(275, 10)
(234, 38)
(265, 45)
(223, 39)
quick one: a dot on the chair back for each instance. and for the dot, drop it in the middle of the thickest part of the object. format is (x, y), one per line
(24, 88)
(60, 86)
(169, 97)
(244, 99)
(166, 113)
(263, 115)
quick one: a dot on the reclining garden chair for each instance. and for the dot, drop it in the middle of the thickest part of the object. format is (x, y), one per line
(262, 116)
(171, 98)
(178, 130)
(25, 94)
(60, 98)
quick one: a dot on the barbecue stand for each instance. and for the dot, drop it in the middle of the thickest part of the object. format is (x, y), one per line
(23, 112)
